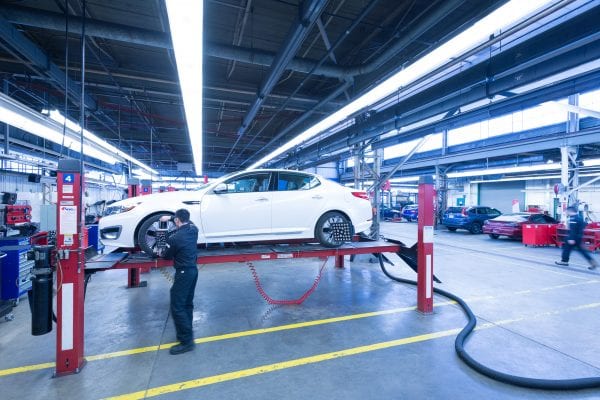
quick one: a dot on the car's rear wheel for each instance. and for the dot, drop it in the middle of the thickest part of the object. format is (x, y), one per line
(451, 229)
(475, 228)
(494, 235)
(333, 229)
(146, 236)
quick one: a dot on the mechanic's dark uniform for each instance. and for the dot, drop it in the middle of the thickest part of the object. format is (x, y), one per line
(576, 227)
(182, 248)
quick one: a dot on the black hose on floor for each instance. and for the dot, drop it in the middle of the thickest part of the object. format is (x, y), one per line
(459, 346)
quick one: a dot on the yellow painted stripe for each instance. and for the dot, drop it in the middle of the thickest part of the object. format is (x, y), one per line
(141, 350)
(233, 335)
(195, 383)
(26, 368)
(263, 369)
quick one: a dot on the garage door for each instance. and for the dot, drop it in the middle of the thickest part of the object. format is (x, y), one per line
(500, 195)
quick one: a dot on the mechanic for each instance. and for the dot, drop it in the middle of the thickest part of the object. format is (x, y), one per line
(576, 227)
(182, 248)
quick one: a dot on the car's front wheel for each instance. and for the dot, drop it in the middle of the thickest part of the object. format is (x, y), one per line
(475, 228)
(147, 237)
(333, 229)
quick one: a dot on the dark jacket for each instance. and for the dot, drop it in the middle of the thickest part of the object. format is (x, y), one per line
(576, 227)
(182, 246)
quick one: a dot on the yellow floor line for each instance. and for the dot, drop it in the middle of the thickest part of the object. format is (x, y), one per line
(263, 369)
(141, 350)
(233, 335)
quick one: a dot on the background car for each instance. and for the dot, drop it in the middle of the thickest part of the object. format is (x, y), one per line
(469, 218)
(388, 213)
(511, 225)
(247, 206)
(410, 212)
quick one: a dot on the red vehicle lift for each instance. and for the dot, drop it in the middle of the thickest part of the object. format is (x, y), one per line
(70, 269)
(69, 343)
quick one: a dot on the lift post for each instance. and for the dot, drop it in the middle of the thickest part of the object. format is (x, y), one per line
(70, 269)
(146, 187)
(133, 187)
(427, 198)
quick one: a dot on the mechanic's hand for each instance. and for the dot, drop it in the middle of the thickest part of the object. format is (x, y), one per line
(165, 218)
(571, 241)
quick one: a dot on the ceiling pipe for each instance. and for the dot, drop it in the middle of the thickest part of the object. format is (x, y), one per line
(309, 14)
(123, 33)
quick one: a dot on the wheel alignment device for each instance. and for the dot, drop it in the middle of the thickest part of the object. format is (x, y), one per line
(70, 269)
(133, 275)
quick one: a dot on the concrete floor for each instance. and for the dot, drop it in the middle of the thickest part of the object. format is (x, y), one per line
(545, 323)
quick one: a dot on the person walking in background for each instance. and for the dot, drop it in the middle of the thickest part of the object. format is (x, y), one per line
(576, 226)
(182, 248)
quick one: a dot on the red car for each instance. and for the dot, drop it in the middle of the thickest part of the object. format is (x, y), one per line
(511, 225)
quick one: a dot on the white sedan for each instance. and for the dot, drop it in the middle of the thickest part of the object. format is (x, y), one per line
(247, 206)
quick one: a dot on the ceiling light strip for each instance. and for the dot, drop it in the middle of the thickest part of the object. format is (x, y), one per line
(499, 20)
(186, 25)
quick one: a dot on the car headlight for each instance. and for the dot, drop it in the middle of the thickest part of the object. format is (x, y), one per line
(112, 210)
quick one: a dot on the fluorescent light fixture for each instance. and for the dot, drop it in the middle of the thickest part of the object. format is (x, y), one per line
(405, 179)
(186, 25)
(507, 170)
(22, 117)
(499, 20)
(76, 128)
(529, 178)
(141, 174)
(594, 162)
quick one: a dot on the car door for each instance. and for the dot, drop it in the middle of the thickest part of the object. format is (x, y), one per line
(242, 212)
(298, 201)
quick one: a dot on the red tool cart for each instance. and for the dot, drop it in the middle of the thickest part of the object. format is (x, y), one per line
(539, 234)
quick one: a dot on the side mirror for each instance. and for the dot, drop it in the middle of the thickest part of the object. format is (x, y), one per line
(220, 188)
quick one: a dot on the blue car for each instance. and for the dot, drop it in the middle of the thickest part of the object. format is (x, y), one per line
(469, 218)
(389, 213)
(410, 212)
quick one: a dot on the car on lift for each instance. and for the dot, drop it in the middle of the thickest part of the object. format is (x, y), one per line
(469, 218)
(410, 212)
(511, 225)
(247, 206)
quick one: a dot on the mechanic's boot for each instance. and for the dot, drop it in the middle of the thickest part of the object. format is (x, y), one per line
(182, 348)
(561, 262)
(593, 265)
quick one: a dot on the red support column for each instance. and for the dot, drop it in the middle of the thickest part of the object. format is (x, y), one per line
(133, 187)
(133, 277)
(339, 261)
(146, 187)
(70, 269)
(425, 245)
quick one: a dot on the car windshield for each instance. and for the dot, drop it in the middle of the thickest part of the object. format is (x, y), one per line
(512, 218)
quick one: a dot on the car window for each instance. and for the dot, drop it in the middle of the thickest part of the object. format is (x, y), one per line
(258, 182)
(549, 219)
(454, 210)
(494, 212)
(538, 219)
(296, 181)
(513, 218)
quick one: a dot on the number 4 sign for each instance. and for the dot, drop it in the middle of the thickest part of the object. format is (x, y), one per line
(68, 178)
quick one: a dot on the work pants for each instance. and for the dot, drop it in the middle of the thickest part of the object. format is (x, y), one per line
(566, 250)
(182, 302)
